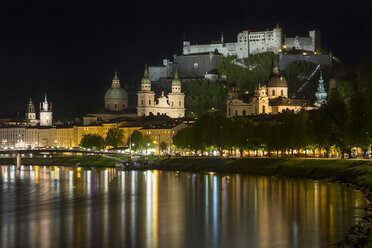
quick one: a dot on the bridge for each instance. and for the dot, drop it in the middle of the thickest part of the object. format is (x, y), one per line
(56, 152)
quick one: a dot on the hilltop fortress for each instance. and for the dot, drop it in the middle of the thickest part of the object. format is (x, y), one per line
(201, 60)
(250, 42)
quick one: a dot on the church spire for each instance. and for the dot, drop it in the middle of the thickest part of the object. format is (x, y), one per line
(146, 79)
(176, 83)
(116, 75)
(320, 94)
(222, 38)
(115, 81)
(146, 74)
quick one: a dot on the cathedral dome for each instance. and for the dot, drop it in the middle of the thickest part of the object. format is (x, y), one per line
(116, 93)
(277, 81)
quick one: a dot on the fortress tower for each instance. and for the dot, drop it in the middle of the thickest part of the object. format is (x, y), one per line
(46, 113)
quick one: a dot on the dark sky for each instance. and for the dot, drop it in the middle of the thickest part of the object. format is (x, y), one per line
(71, 48)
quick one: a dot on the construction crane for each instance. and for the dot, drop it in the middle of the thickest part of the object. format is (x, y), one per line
(308, 79)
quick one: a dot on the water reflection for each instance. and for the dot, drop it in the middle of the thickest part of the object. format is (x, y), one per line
(59, 206)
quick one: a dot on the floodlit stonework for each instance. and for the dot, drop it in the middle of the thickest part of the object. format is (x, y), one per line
(116, 98)
(172, 105)
(251, 42)
(46, 118)
(267, 99)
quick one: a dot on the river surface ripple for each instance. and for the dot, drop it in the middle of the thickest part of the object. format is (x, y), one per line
(43, 206)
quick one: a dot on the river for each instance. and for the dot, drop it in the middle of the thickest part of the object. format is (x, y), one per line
(42, 206)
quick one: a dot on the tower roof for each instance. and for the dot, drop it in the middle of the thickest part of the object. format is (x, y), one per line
(176, 81)
(276, 80)
(30, 106)
(116, 75)
(115, 81)
(146, 79)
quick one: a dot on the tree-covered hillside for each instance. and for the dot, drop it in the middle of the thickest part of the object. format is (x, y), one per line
(248, 73)
(203, 96)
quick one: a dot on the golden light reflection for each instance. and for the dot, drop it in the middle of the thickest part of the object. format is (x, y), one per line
(151, 209)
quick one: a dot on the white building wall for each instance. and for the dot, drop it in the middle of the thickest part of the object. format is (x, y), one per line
(247, 43)
(12, 137)
(45, 118)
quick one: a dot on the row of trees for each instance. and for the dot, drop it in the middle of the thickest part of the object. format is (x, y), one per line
(335, 125)
(114, 138)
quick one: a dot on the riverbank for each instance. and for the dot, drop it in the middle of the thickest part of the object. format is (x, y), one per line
(81, 161)
(355, 173)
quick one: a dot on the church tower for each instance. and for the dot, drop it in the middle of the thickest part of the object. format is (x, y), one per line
(262, 100)
(176, 99)
(321, 95)
(30, 112)
(46, 113)
(146, 97)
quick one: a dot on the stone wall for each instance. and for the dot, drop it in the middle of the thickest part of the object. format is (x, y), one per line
(197, 65)
(286, 59)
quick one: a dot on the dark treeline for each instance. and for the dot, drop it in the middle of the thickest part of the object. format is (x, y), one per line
(338, 125)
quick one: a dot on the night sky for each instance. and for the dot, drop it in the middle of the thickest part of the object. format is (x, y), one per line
(70, 49)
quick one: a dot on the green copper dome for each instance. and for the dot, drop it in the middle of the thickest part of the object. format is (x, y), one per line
(146, 79)
(116, 93)
(176, 81)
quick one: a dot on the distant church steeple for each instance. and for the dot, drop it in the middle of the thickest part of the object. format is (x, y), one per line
(30, 112)
(115, 81)
(146, 82)
(46, 112)
(320, 94)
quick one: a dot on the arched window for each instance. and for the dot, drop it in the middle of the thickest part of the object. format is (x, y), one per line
(263, 109)
(281, 93)
(116, 105)
(149, 102)
(141, 102)
(244, 113)
(273, 92)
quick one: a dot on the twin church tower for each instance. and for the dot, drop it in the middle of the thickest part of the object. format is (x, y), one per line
(173, 105)
(46, 117)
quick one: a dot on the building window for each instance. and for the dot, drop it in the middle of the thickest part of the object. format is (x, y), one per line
(263, 109)
(116, 105)
(236, 112)
(281, 93)
(273, 92)
(123, 105)
(149, 102)
(244, 113)
(179, 103)
(108, 105)
(141, 102)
